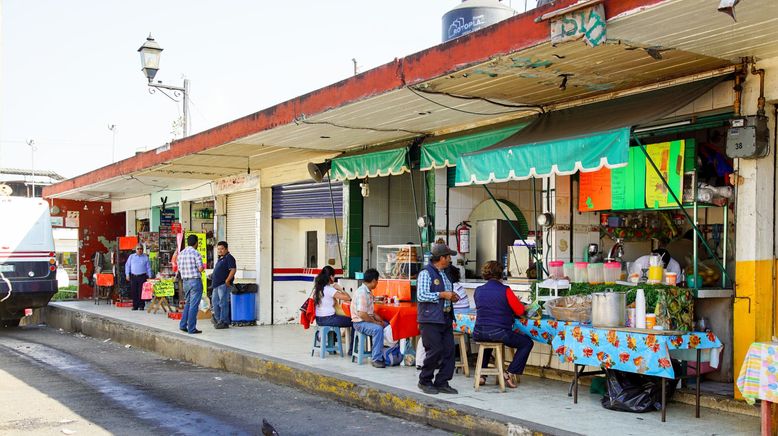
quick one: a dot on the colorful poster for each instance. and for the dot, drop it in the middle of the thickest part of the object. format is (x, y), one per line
(203, 249)
(669, 159)
(628, 184)
(594, 191)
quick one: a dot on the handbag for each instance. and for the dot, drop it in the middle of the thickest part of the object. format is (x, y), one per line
(308, 312)
(147, 292)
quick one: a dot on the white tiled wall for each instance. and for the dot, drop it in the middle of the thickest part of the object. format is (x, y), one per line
(462, 201)
(391, 201)
(580, 226)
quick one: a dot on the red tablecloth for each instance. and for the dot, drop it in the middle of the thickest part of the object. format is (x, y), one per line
(401, 316)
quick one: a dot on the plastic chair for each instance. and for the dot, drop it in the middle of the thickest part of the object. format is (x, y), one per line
(363, 346)
(321, 340)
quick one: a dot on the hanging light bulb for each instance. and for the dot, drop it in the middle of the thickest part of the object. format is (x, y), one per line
(365, 189)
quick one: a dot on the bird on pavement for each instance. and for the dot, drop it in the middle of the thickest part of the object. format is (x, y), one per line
(267, 429)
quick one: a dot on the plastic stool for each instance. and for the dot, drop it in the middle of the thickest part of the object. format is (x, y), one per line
(363, 346)
(462, 363)
(321, 340)
(498, 364)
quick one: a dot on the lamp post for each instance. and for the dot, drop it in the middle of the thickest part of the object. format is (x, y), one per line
(150, 53)
(31, 144)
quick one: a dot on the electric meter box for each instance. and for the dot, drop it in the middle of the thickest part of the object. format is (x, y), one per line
(748, 137)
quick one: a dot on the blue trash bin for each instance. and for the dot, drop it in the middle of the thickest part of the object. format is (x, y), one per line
(243, 304)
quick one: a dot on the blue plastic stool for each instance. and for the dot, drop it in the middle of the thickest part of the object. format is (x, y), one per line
(321, 340)
(362, 344)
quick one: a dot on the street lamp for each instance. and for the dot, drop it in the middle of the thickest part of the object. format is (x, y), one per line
(150, 53)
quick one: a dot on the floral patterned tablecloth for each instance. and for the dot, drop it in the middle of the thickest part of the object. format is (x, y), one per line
(541, 330)
(759, 374)
(640, 353)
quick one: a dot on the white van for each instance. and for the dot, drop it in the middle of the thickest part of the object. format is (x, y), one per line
(28, 265)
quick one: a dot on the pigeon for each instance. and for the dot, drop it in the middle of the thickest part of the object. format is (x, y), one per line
(267, 429)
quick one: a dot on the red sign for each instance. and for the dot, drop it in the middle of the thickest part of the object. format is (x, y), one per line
(176, 228)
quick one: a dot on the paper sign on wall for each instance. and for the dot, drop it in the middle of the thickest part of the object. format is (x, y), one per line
(669, 159)
(628, 184)
(594, 191)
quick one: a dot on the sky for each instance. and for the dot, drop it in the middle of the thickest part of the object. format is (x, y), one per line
(69, 69)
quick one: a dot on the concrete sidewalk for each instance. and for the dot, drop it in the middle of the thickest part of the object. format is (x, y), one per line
(282, 354)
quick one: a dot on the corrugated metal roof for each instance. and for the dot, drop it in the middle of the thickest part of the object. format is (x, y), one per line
(696, 26)
(374, 108)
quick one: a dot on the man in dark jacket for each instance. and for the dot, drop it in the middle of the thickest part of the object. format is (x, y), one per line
(436, 316)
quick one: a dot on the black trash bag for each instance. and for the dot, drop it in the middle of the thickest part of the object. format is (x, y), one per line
(637, 393)
(244, 288)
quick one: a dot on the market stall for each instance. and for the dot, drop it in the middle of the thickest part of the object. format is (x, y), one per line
(635, 185)
(386, 226)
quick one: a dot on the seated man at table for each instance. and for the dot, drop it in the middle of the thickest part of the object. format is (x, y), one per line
(496, 308)
(365, 319)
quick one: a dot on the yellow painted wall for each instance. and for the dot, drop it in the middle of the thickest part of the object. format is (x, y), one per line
(754, 284)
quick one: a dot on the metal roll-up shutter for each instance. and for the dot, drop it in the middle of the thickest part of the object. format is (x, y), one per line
(307, 200)
(242, 229)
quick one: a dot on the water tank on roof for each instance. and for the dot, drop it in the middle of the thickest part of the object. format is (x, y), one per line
(472, 15)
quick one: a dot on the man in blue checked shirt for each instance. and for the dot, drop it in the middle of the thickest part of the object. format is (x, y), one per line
(436, 317)
(138, 270)
(190, 265)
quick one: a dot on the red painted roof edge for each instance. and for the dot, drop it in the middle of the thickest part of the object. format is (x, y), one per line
(514, 34)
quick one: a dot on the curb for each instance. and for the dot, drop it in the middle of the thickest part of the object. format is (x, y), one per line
(352, 391)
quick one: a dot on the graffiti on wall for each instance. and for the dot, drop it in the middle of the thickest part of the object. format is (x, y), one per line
(587, 24)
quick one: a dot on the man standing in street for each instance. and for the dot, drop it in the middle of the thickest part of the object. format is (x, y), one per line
(436, 316)
(190, 265)
(138, 270)
(221, 280)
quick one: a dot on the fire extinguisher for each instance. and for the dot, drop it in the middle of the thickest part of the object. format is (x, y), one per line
(463, 237)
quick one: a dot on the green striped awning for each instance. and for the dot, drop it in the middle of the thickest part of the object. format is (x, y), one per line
(444, 153)
(377, 164)
(562, 157)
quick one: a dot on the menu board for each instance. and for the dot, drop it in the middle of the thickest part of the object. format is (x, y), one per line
(669, 159)
(628, 183)
(594, 191)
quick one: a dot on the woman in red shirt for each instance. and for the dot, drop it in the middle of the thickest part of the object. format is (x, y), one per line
(496, 309)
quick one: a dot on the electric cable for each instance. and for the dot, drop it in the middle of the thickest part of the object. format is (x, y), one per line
(464, 111)
(538, 108)
(373, 129)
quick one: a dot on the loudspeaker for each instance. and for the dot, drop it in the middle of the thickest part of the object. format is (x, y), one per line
(318, 171)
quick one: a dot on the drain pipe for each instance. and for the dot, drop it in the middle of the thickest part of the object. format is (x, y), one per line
(775, 203)
(761, 100)
(740, 77)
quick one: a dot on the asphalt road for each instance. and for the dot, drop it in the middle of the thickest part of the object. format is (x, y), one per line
(53, 382)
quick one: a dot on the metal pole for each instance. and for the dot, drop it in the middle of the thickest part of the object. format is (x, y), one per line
(112, 128)
(31, 143)
(680, 205)
(186, 107)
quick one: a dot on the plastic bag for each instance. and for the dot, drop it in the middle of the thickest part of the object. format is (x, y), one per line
(204, 305)
(388, 338)
(637, 393)
(421, 353)
(392, 355)
(409, 354)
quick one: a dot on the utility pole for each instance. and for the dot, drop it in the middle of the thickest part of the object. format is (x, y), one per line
(112, 128)
(31, 144)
